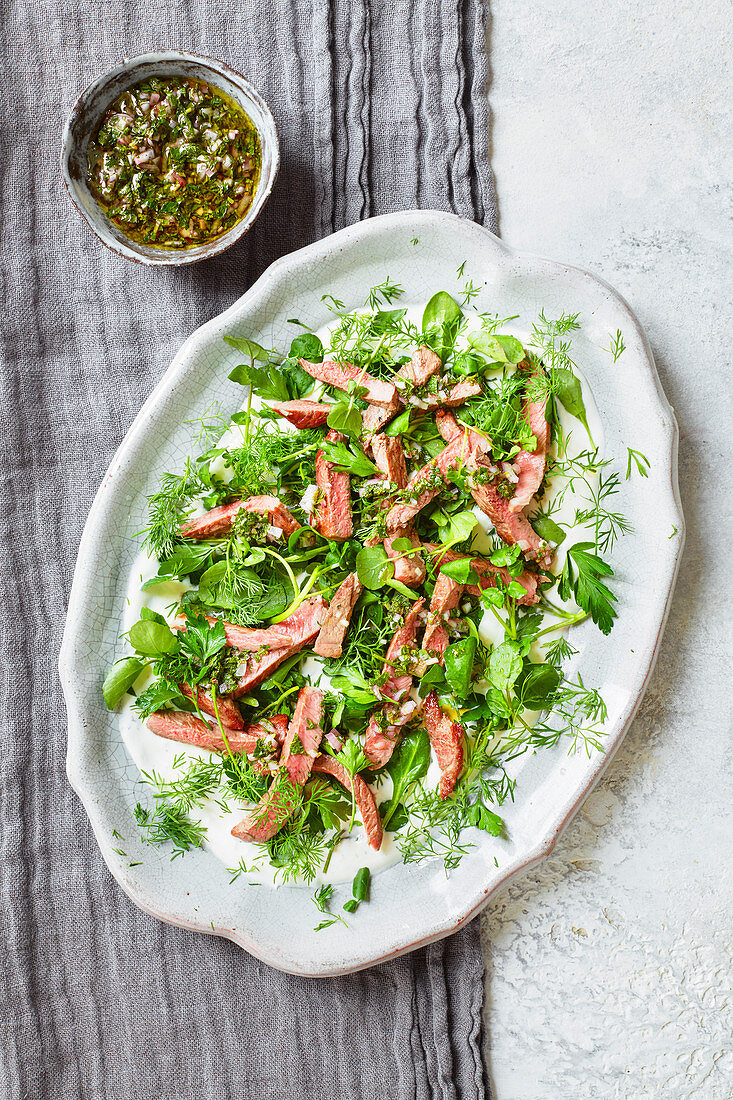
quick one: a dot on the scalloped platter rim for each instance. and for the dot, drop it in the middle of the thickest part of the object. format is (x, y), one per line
(412, 905)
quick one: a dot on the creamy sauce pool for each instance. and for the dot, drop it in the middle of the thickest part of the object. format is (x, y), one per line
(155, 754)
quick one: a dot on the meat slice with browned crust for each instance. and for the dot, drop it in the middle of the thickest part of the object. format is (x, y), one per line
(188, 729)
(332, 516)
(303, 413)
(530, 465)
(219, 521)
(304, 735)
(340, 374)
(452, 396)
(228, 711)
(389, 458)
(425, 484)
(373, 419)
(298, 753)
(423, 365)
(372, 822)
(445, 598)
(446, 737)
(330, 640)
(409, 568)
(303, 626)
(252, 638)
(513, 527)
(385, 725)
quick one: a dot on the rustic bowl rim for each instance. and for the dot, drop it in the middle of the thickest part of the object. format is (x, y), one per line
(103, 230)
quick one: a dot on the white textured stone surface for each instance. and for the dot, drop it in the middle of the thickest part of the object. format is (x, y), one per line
(609, 965)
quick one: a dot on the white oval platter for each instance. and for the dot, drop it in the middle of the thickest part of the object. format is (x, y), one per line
(415, 904)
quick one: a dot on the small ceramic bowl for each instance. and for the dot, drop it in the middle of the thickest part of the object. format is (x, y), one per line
(87, 114)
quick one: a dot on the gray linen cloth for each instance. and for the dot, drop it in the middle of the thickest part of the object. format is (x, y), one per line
(380, 107)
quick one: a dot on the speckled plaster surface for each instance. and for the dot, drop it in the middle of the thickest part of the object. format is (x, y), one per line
(609, 964)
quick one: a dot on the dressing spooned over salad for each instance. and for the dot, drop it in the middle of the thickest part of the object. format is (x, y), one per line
(356, 595)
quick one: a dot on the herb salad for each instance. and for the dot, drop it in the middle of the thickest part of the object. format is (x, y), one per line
(364, 583)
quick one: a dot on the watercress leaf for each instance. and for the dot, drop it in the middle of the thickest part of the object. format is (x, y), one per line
(505, 555)
(402, 545)
(492, 597)
(516, 590)
(120, 679)
(458, 662)
(537, 685)
(299, 382)
(307, 346)
(345, 418)
(409, 764)
(351, 905)
(461, 526)
(373, 567)
(158, 695)
(498, 704)
(461, 571)
(400, 425)
(249, 347)
(505, 664)
(431, 678)
(569, 392)
(152, 639)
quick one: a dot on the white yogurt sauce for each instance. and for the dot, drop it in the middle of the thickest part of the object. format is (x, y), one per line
(155, 754)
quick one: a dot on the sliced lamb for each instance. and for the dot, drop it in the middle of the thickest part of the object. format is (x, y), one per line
(303, 626)
(408, 568)
(371, 820)
(373, 419)
(340, 374)
(279, 802)
(330, 640)
(513, 527)
(303, 414)
(271, 812)
(445, 598)
(425, 484)
(487, 572)
(389, 458)
(219, 521)
(304, 735)
(531, 464)
(227, 708)
(188, 729)
(332, 516)
(450, 429)
(249, 639)
(384, 728)
(452, 396)
(423, 365)
(446, 737)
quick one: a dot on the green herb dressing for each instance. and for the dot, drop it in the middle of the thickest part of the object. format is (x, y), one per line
(175, 163)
